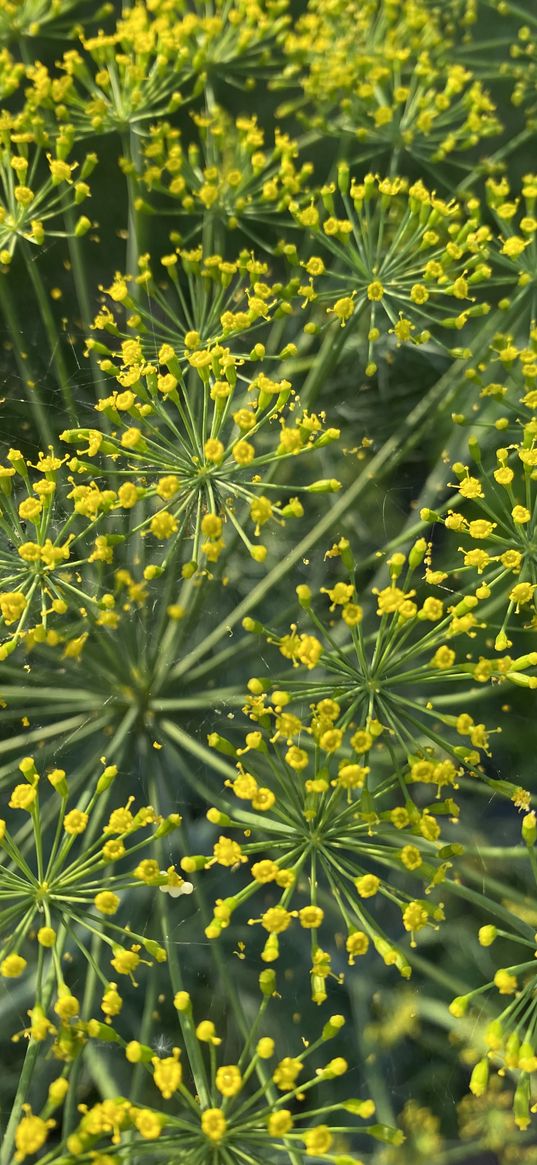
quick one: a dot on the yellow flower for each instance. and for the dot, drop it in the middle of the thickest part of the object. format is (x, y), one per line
(375, 291)
(22, 797)
(12, 606)
(124, 961)
(148, 1123)
(520, 515)
(265, 1048)
(505, 982)
(163, 525)
(243, 453)
(67, 1006)
(470, 487)
(227, 852)
(106, 902)
(443, 658)
(415, 916)
(310, 917)
(213, 450)
(343, 309)
(357, 944)
(296, 758)
(286, 1072)
(46, 936)
(318, 1140)
(127, 495)
(75, 822)
(522, 593)
(279, 1123)
(276, 919)
(228, 1080)
(206, 1032)
(211, 526)
(367, 885)
(411, 857)
(111, 1002)
(432, 610)
(12, 966)
(31, 1134)
(167, 1073)
(213, 1124)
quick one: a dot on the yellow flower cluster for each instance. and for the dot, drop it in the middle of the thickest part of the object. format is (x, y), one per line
(232, 176)
(403, 260)
(69, 882)
(378, 74)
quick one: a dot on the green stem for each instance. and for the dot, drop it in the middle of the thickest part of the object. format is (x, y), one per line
(28, 1068)
(131, 148)
(51, 330)
(29, 380)
(81, 288)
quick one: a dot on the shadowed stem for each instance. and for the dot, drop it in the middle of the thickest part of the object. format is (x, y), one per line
(51, 330)
(28, 378)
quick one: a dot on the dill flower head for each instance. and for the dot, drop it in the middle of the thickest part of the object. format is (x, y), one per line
(199, 433)
(490, 1117)
(494, 520)
(504, 1007)
(38, 186)
(138, 71)
(237, 43)
(44, 546)
(514, 255)
(32, 18)
(395, 258)
(113, 674)
(379, 73)
(392, 661)
(230, 176)
(11, 73)
(67, 887)
(318, 827)
(240, 1107)
(204, 300)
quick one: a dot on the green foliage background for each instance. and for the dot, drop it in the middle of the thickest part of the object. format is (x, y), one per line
(405, 412)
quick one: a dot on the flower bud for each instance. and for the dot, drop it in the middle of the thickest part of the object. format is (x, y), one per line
(83, 226)
(333, 1026)
(106, 778)
(181, 1001)
(487, 934)
(417, 553)
(267, 982)
(325, 485)
(304, 596)
(521, 1103)
(168, 825)
(529, 828)
(480, 1078)
(215, 740)
(459, 1005)
(216, 817)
